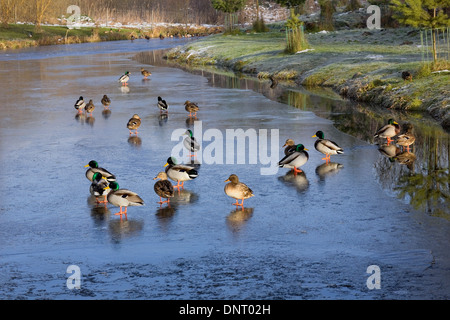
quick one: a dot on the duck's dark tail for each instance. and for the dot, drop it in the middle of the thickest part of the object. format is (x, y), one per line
(192, 173)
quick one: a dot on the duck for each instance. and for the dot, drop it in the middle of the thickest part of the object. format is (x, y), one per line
(162, 105)
(295, 159)
(99, 187)
(145, 73)
(325, 146)
(133, 124)
(163, 187)
(237, 190)
(124, 78)
(391, 129)
(179, 173)
(80, 104)
(290, 146)
(123, 198)
(191, 107)
(407, 138)
(106, 101)
(90, 107)
(191, 143)
(94, 167)
(406, 75)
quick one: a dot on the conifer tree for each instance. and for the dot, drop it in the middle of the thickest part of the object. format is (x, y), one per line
(422, 14)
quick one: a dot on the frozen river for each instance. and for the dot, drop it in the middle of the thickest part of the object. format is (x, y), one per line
(310, 236)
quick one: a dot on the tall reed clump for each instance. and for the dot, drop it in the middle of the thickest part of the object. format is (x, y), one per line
(295, 35)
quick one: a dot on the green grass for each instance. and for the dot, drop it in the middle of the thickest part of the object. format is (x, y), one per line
(367, 66)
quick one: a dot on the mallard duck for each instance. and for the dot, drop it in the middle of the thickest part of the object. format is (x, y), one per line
(162, 105)
(93, 168)
(237, 190)
(90, 107)
(295, 159)
(192, 108)
(123, 198)
(106, 101)
(407, 138)
(80, 104)
(163, 187)
(124, 78)
(290, 146)
(145, 73)
(179, 173)
(133, 124)
(325, 146)
(391, 129)
(99, 187)
(406, 75)
(191, 143)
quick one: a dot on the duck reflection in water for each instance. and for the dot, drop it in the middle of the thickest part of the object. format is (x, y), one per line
(297, 180)
(106, 113)
(182, 196)
(135, 141)
(120, 229)
(125, 89)
(406, 158)
(80, 117)
(162, 118)
(389, 151)
(329, 169)
(238, 218)
(190, 121)
(100, 214)
(90, 120)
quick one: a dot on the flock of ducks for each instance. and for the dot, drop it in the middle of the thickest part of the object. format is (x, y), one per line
(105, 187)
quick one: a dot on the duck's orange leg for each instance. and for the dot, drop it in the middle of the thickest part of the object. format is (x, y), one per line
(104, 201)
(121, 212)
(327, 158)
(239, 204)
(161, 201)
(179, 185)
(296, 171)
(388, 140)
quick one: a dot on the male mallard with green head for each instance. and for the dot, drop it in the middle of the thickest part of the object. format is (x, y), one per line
(191, 143)
(162, 105)
(237, 190)
(94, 167)
(80, 105)
(325, 146)
(99, 187)
(179, 173)
(124, 78)
(123, 198)
(388, 131)
(295, 159)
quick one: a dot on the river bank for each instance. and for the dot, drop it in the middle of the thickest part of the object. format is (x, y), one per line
(17, 36)
(359, 64)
